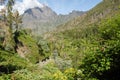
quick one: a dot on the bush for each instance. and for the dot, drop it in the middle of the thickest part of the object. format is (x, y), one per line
(25, 75)
(70, 73)
(59, 76)
(10, 62)
(102, 61)
(30, 44)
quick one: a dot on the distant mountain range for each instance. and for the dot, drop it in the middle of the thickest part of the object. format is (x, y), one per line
(41, 20)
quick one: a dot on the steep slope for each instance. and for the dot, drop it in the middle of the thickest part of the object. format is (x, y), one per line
(104, 9)
(73, 31)
(44, 19)
(91, 41)
(43, 14)
(20, 42)
(38, 19)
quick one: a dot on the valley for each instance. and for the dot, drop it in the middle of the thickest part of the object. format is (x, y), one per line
(42, 45)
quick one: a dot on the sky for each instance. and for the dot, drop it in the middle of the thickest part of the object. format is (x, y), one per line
(59, 6)
(66, 6)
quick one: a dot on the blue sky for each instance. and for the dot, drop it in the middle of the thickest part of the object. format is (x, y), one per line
(59, 6)
(66, 6)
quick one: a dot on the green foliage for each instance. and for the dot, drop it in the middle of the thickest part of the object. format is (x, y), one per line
(104, 57)
(59, 76)
(49, 70)
(63, 64)
(10, 21)
(17, 20)
(9, 46)
(87, 51)
(44, 49)
(26, 75)
(10, 62)
(31, 46)
(70, 73)
(5, 77)
(10, 13)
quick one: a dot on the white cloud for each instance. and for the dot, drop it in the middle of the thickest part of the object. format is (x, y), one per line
(2, 7)
(26, 4)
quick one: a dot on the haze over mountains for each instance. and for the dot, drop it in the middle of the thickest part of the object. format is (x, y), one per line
(39, 17)
(44, 19)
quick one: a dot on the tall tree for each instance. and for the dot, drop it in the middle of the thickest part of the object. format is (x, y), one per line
(9, 42)
(9, 13)
(17, 20)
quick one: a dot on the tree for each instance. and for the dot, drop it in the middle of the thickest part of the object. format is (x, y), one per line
(103, 59)
(9, 40)
(17, 20)
(9, 13)
(12, 20)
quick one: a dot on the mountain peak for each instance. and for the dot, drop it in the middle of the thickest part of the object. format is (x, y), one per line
(39, 13)
(27, 4)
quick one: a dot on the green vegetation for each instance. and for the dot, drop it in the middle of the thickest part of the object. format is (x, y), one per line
(103, 54)
(92, 45)
(30, 50)
(82, 51)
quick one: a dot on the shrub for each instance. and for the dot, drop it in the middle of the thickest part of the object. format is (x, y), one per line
(102, 61)
(25, 75)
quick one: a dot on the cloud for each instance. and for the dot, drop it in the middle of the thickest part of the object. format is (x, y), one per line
(1, 7)
(26, 4)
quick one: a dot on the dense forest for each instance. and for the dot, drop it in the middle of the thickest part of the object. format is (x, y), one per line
(85, 48)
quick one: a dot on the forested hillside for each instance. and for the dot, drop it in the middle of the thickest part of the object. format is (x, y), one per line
(86, 48)
(91, 41)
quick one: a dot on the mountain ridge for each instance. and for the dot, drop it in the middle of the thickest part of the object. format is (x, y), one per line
(102, 10)
(85, 48)
(45, 19)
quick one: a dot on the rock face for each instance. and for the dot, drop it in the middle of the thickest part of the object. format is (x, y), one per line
(42, 14)
(44, 19)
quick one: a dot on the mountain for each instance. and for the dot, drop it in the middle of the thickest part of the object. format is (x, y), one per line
(85, 48)
(92, 41)
(103, 10)
(43, 14)
(44, 19)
